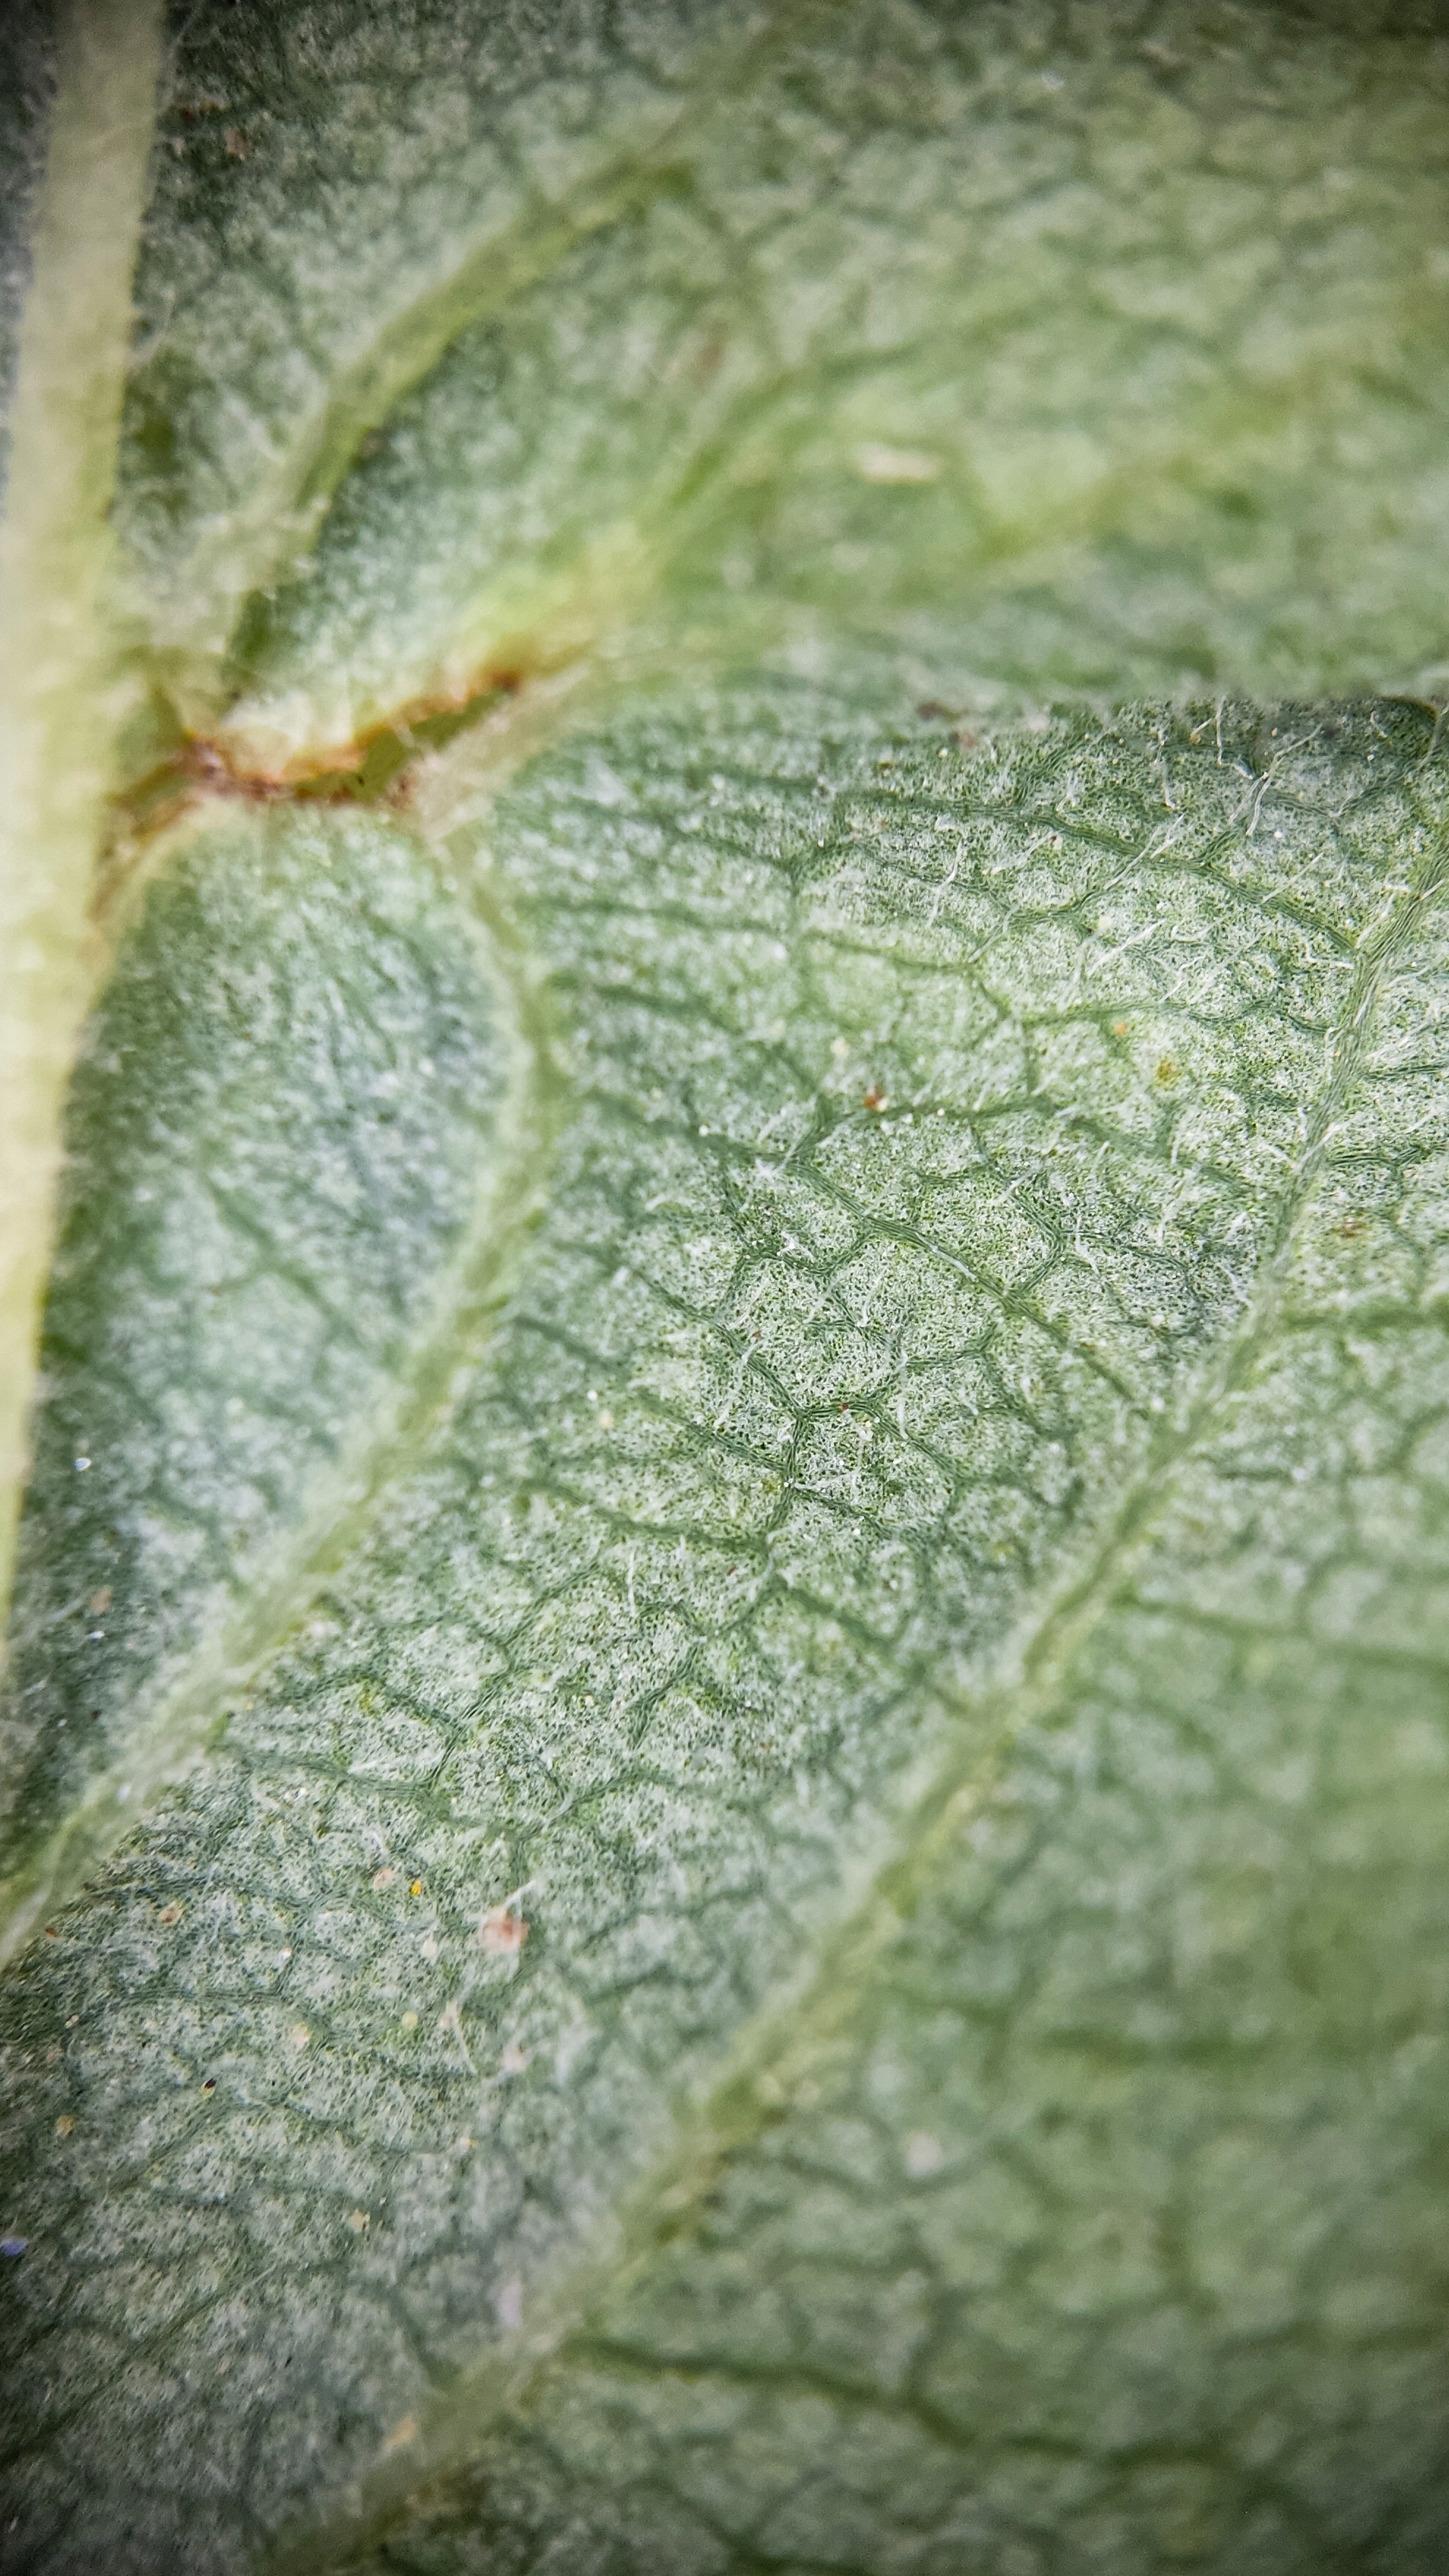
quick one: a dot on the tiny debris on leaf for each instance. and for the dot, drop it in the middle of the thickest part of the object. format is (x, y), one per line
(896, 464)
(501, 1932)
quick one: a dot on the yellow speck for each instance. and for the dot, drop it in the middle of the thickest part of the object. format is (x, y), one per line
(416, 1887)
(64, 2125)
(359, 2220)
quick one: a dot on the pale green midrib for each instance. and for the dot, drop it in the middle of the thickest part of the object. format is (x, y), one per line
(59, 645)
(1035, 1670)
(193, 1706)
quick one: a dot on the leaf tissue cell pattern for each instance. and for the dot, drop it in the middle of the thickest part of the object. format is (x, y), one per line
(1134, 2087)
(966, 1151)
(283, 1159)
(1079, 340)
(773, 1399)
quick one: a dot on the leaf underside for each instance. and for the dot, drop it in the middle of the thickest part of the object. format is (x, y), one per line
(725, 1756)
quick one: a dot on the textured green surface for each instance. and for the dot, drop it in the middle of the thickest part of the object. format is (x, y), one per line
(764, 1548)
(284, 1125)
(26, 46)
(801, 1414)
(1119, 310)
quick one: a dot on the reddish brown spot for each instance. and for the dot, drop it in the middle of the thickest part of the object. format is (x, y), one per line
(501, 1932)
(875, 1098)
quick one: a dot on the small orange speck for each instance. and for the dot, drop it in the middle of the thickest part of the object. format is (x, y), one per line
(1119, 1028)
(875, 1099)
(51, 1933)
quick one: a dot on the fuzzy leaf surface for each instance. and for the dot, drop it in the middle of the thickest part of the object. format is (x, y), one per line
(722, 1772)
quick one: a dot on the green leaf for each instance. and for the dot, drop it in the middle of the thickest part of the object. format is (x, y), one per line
(288, 1204)
(875, 315)
(722, 1779)
(58, 634)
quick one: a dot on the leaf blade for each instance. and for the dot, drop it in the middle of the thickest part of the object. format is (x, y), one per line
(725, 1620)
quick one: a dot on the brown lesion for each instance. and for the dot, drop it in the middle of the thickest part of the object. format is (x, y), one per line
(376, 768)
